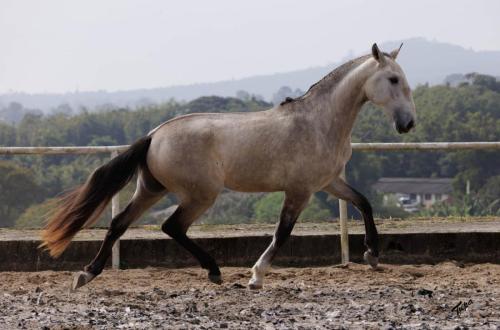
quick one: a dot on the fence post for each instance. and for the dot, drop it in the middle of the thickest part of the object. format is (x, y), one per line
(115, 208)
(344, 234)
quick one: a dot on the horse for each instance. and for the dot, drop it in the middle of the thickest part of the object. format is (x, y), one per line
(300, 147)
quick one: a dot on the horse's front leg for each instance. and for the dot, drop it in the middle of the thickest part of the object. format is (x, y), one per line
(340, 189)
(293, 205)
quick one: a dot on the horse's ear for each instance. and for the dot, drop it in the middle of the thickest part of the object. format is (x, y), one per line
(377, 54)
(395, 52)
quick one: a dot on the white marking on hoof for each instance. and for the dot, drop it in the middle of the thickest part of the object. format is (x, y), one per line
(217, 279)
(80, 279)
(371, 259)
(258, 272)
(255, 284)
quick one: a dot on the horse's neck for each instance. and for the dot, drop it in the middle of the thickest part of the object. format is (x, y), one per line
(345, 101)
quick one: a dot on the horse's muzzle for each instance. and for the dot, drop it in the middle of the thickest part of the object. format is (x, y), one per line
(403, 123)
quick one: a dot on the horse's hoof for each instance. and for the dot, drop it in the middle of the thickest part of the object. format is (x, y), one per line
(80, 279)
(371, 259)
(217, 279)
(254, 285)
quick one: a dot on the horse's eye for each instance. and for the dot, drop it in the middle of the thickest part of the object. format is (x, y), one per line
(394, 80)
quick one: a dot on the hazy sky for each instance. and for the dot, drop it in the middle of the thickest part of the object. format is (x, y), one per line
(58, 46)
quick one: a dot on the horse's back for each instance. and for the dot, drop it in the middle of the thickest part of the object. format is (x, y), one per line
(196, 149)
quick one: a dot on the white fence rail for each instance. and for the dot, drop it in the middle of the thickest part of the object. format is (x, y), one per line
(382, 146)
(344, 235)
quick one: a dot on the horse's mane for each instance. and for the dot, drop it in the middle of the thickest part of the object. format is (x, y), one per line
(331, 80)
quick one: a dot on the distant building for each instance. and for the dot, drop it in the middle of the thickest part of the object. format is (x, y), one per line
(414, 193)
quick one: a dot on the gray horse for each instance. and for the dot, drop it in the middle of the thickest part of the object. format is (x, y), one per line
(300, 147)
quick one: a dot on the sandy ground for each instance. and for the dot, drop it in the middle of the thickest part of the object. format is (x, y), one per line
(298, 298)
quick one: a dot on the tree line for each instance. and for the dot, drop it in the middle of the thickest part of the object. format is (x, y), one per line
(468, 112)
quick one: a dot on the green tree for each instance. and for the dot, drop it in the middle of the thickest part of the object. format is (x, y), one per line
(18, 190)
(232, 207)
(7, 135)
(268, 208)
(36, 215)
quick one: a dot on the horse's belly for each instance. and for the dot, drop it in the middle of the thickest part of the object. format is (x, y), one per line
(245, 184)
(267, 177)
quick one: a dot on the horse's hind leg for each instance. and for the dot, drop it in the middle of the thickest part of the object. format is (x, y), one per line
(147, 193)
(293, 205)
(177, 225)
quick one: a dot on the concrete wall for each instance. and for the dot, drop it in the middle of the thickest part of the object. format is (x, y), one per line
(303, 250)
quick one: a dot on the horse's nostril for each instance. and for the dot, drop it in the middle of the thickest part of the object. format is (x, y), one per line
(410, 125)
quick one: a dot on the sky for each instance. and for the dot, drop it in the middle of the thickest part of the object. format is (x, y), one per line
(61, 45)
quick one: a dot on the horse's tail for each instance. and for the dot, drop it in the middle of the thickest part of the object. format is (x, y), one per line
(83, 206)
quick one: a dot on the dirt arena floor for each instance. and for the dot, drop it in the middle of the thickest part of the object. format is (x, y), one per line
(397, 297)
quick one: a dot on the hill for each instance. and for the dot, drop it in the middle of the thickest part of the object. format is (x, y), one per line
(424, 61)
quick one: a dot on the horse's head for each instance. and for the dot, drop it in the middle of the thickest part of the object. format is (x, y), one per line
(388, 88)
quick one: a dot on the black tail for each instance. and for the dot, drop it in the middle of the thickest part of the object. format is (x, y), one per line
(83, 206)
